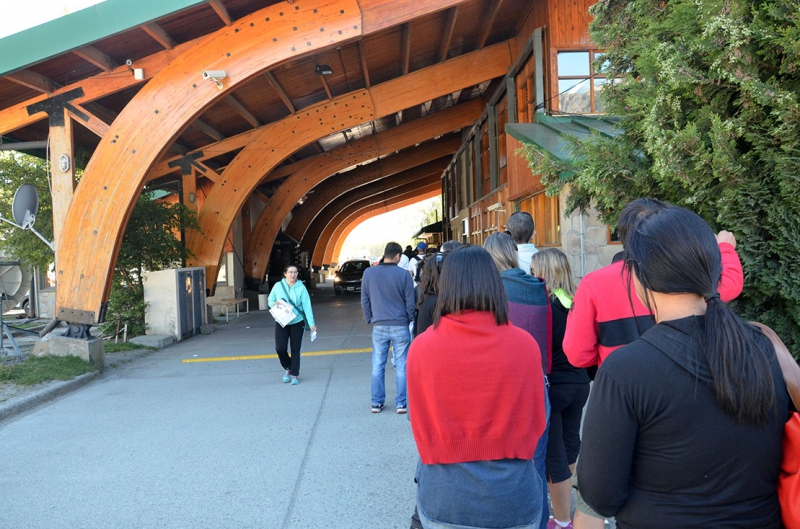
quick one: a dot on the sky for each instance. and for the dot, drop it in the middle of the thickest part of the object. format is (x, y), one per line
(20, 15)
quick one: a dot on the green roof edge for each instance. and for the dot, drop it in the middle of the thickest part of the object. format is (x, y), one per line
(81, 28)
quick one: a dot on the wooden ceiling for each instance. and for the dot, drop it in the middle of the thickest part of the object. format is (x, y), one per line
(284, 90)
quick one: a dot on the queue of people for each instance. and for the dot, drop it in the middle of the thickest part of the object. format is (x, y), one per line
(495, 352)
(683, 427)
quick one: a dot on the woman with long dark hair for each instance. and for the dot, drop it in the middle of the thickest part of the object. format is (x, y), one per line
(428, 292)
(476, 403)
(684, 425)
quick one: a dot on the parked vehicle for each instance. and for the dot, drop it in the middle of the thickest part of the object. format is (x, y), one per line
(348, 277)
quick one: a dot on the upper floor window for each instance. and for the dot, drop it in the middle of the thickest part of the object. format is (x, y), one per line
(579, 83)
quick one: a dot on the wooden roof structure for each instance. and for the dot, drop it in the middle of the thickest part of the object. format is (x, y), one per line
(406, 76)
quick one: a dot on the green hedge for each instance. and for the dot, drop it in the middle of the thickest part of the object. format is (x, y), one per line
(709, 99)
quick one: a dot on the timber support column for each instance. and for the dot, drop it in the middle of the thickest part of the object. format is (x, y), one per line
(62, 164)
(62, 168)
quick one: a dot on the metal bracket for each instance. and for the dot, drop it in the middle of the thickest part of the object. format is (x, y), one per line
(187, 162)
(78, 330)
(54, 107)
(71, 316)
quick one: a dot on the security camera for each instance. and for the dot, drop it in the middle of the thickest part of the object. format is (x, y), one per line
(214, 74)
(129, 62)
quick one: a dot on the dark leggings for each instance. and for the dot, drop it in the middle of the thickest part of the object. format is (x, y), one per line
(564, 441)
(282, 336)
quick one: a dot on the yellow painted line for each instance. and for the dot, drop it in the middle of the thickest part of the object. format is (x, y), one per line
(265, 357)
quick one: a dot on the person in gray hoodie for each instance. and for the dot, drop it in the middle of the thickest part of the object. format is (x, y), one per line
(387, 300)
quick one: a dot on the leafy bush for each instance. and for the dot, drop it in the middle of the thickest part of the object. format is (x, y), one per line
(151, 242)
(709, 99)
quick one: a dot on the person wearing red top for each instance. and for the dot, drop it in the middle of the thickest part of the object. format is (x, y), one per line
(606, 313)
(476, 404)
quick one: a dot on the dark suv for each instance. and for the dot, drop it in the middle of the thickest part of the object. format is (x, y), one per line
(348, 277)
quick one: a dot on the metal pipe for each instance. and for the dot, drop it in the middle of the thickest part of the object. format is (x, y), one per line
(583, 247)
(23, 146)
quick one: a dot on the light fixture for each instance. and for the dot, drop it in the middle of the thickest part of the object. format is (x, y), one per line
(324, 69)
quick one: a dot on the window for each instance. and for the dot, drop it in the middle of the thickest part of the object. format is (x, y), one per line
(502, 119)
(577, 88)
(546, 219)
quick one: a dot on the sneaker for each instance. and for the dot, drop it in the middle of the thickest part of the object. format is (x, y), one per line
(295, 381)
(286, 376)
(402, 409)
(376, 408)
(551, 524)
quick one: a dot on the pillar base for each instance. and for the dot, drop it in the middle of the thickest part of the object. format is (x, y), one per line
(88, 350)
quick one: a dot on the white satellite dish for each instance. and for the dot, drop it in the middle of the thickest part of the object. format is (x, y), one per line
(15, 280)
(25, 206)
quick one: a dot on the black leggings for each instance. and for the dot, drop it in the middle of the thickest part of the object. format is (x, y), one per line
(282, 336)
(564, 440)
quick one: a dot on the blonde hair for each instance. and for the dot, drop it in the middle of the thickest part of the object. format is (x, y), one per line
(503, 251)
(552, 265)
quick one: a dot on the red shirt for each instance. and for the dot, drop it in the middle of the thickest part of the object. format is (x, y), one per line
(475, 391)
(606, 315)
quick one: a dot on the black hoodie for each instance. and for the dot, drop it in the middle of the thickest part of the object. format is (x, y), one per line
(657, 449)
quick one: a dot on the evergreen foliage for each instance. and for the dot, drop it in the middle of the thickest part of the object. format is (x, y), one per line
(709, 99)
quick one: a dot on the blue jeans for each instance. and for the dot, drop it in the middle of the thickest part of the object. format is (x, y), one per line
(539, 457)
(382, 337)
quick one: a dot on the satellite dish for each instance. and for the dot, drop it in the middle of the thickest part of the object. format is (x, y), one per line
(25, 206)
(14, 282)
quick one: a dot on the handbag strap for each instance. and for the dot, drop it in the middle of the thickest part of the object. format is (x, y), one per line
(288, 300)
(789, 367)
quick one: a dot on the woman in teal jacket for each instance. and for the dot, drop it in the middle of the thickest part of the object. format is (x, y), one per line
(294, 292)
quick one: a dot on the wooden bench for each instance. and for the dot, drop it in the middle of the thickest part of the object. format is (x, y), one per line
(224, 298)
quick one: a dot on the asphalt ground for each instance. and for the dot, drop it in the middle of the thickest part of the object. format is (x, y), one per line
(205, 434)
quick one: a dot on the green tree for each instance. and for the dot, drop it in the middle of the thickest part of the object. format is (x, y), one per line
(151, 242)
(17, 169)
(709, 101)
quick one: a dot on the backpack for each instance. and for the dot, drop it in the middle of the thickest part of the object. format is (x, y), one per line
(418, 272)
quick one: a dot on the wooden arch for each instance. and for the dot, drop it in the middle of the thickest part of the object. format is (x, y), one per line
(276, 141)
(406, 190)
(349, 224)
(166, 105)
(327, 214)
(385, 171)
(325, 165)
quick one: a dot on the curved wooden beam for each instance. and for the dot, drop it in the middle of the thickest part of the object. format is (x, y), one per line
(300, 183)
(155, 116)
(334, 247)
(170, 101)
(324, 241)
(423, 173)
(273, 143)
(304, 215)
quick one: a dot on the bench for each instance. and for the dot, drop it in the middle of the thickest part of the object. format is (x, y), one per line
(224, 298)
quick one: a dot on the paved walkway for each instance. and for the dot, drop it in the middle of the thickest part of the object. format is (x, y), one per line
(172, 439)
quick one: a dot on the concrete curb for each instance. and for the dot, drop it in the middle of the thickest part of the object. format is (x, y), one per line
(12, 409)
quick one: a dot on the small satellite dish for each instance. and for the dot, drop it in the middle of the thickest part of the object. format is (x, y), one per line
(25, 206)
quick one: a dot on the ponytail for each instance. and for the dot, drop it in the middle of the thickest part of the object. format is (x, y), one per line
(741, 370)
(674, 251)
